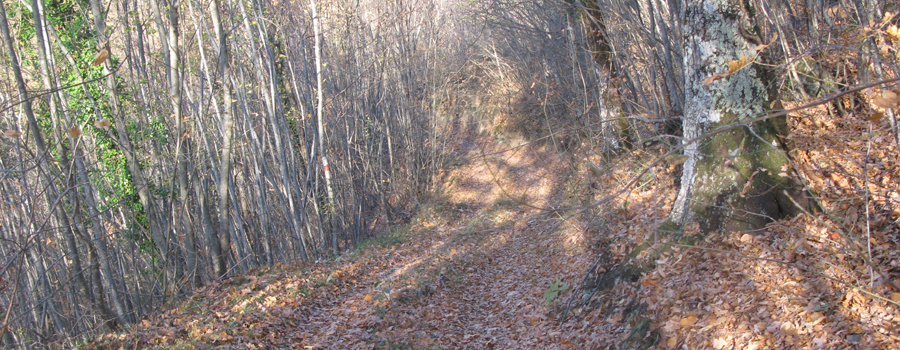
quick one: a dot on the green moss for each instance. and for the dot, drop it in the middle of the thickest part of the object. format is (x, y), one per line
(391, 238)
(641, 335)
(668, 228)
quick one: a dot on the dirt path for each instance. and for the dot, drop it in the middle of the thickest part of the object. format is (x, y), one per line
(473, 281)
(472, 268)
(469, 272)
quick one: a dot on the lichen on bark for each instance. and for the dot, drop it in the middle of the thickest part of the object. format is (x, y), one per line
(731, 181)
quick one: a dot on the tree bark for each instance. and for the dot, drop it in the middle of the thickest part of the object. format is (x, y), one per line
(183, 140)
(321, 123)
(141, 182)
(227, 121)
(734, 180)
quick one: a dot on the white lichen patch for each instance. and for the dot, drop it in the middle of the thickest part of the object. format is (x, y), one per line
(713, 38)
(741, 95)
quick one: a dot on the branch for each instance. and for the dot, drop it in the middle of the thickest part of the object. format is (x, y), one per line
(843, 233)
(722, 129)
(44, 93)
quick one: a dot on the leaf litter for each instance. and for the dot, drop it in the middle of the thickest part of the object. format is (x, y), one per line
(473, 269)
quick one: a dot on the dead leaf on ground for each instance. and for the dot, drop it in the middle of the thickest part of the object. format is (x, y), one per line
(887, 100)
(688, 321)
(875, 117)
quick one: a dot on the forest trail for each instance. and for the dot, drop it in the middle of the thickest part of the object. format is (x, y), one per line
(475, 266)
(475, 281)
(470, 273)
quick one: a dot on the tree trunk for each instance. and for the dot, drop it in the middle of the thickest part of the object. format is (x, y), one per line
(734, 180)
(227, 139)
(50, 82)
(113, 319)
(320, 120)
(141, 182)
(183, 144)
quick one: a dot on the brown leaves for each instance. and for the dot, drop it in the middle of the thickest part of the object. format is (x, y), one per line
(74, 132)
(103, 123)
(736, 65)
(887, 99)
(100, 58)
(688, 321)
(893, 33)
(671, 342)
(695, 298)
(221, 336)
(875, 117)
(733, 67)
(702, 299)
(714, 77)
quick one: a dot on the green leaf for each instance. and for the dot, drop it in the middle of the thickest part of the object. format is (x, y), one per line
(550, 295)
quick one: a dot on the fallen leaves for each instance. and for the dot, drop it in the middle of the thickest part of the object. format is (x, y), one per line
(452, 286)
(893, 32)
(886, 99)
(720, 300)
(221, 336)
(688, 321)
(875, 116)
(719, 343)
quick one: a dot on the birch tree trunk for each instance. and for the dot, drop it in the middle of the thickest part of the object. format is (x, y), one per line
(733, 180)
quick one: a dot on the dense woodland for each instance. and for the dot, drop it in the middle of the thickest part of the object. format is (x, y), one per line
(155, 147)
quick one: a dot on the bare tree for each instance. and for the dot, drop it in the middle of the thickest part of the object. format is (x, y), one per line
(146, 138)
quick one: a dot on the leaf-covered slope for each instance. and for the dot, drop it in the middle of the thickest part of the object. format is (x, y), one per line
(476, 268)
(470, 271)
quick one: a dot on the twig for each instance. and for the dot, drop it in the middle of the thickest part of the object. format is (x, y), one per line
(32, 97)
(12, 300)
(720, 130)
(236, 265)
(717, 131)
(842, 232)
(866, 189)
